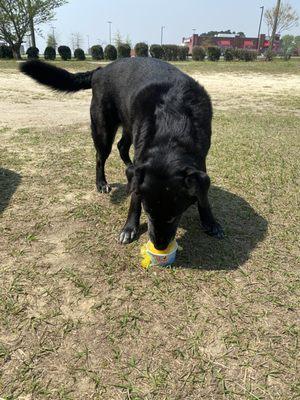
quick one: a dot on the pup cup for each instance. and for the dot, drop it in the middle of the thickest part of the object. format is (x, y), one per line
(161, 258)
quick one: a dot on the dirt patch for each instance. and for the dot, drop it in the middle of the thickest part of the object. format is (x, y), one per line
(34, 105)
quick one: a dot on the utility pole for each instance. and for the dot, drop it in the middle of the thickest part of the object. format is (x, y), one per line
(277, 9)
(109, 23)
(161, 34)
(33, 43)
(258, 36)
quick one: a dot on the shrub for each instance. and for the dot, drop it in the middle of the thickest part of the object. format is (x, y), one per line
(110, 52)
(198, 53)
(229, 54)
(79, 54)
(170, 52)
(183, 53)
(65, 52)
(245, 55)
(213, 53)
(50, 53)
(156, 51)
(123, 50)
(141, 49)
(97, 52)
(32, 53)
(250, 55)
(6, 52)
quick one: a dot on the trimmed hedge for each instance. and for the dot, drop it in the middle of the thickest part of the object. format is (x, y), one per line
(79, 54)
(123, 50)
(229, 54)
(183, 53)
(97, 52)
(65, 52)
(6, 52)
(213, 53)
(156, 51)
(245, 55)
(171, 52)
(110, 52)
(50, 53)
(141, 49)
(198, 53)
(32, 53)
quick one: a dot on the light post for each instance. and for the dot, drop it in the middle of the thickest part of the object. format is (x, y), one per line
(258, 36)
(161, 34)
(109, 23)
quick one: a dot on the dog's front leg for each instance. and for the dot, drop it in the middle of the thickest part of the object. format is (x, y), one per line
(130, 230)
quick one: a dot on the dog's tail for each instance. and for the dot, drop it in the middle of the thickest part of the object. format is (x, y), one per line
(57, 78)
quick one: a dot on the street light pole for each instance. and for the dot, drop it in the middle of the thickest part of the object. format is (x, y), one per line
(161, 34)
(109, 23)
(258, 36)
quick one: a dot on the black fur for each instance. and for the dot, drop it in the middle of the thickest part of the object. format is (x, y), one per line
(57, 78)
(167, 116)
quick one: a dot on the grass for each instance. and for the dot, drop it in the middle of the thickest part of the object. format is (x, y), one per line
(79, 319)
(276, 67)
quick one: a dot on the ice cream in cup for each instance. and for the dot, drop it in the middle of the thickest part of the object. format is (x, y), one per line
(162, 258)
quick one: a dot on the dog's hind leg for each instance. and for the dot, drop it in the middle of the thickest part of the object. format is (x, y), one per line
(103, 133)
(124, 146)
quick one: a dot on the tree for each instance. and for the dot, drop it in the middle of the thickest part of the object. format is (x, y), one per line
(118, 39)
(227, 32)
(16, 18)
(288, 46)
(287, 18)
(51, 41)
(297, 43)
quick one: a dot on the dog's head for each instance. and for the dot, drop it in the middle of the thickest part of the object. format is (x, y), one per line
(165, 195)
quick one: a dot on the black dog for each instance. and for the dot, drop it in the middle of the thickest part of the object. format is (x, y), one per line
(167, 116)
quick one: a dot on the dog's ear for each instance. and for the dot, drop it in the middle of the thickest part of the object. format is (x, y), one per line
(137, 178)
(197, 182)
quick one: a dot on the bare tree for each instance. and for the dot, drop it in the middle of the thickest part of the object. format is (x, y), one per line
(287, 18)
(77, 40)
(52, 40)
(16, 18)
(118, 39)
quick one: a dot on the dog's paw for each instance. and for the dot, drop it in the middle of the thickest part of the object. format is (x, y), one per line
(103, 187)
(128, 235)
(214, 230)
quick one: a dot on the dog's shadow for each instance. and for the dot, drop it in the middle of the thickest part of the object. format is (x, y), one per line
(9, 181)
(244, 229)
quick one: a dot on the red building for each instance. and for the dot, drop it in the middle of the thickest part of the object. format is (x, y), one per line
(231, 41)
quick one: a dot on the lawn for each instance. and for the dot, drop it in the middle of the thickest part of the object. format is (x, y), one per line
(80, 319)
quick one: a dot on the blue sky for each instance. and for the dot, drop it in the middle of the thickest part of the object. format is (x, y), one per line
(141, 20)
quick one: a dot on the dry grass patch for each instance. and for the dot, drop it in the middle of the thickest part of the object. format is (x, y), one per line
(79, 319)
